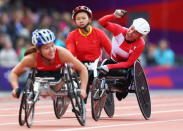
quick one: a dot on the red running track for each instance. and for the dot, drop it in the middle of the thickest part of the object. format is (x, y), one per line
(167, 115)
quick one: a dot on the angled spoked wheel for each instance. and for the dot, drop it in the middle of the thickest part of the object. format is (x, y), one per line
(21, 118)
(29, 103)
(77, 102)
(60, 106)
(79, 109)
(109, 105)
(22, 109)
(98, 98)
(142, 90)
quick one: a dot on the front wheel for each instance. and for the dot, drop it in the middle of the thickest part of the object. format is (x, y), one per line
(21, 117)
(60, 105)
(29, 103)
(29, 108)
(73, 83)
(79, 109)
(98, 98)
(109, 105)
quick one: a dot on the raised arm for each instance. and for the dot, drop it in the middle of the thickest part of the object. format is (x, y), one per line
(106, 21)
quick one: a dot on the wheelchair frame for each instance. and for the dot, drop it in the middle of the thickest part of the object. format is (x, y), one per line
(92, 66)
(34, 87)
(138, 85)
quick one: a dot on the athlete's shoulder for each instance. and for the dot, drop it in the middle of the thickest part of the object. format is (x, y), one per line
(98, 31)
(29, 60)
(63, 54)
(140, 42)
(61, 50)
(31, 56)
(73, 32)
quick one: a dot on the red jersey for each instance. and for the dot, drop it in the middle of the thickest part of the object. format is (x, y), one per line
(122, 52)
(52, 67)
(87, 47)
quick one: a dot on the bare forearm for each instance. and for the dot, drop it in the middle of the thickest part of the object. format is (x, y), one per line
(14, 80)
(84, 78)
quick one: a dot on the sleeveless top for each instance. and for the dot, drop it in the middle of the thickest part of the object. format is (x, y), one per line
(57, 64)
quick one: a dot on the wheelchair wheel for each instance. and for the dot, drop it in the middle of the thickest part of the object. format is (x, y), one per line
(109, 105)
(29, 82)
(77, 102)
(60, 106)
(29, 103)
(98, 98)
(79, 109)
(142, 91)
(21, 117)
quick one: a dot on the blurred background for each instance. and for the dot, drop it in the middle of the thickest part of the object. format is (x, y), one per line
(162, 58)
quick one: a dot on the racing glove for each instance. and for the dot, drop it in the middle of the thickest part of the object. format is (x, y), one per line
(120, 13)
(103, 69)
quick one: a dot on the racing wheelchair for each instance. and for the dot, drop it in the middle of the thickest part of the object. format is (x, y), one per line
(106, 101)
(132, 80)
(40, 86)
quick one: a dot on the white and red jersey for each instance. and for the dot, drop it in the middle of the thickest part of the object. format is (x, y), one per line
(122, 52)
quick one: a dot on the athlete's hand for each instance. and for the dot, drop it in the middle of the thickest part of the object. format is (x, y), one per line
(16, 92)
(120, 13)
(103, 69)
(83, 93)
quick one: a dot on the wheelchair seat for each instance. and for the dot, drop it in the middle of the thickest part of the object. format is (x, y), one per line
(57, 75)
(119, 76)
(122, 74)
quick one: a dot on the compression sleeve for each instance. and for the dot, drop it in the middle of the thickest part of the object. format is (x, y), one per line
(114, 28)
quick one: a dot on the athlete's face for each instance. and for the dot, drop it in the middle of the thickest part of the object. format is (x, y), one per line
(132, 34)
(48, 51)
(82, 19)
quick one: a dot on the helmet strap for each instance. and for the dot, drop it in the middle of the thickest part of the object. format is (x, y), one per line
(85, 27)
(129, 42)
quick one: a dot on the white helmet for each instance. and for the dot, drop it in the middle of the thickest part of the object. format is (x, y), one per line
(141, 26)
(42, 36)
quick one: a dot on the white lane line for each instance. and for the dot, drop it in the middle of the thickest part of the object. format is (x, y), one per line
(119, 125)
(36, 121)
(129, 99)
(41, 113)
(17, 108)
(5, 124)
(154, 112)
(123, 115)
(89, 109)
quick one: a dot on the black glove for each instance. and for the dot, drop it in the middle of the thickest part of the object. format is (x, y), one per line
(103, 69)
(18, 92)
(120, 13)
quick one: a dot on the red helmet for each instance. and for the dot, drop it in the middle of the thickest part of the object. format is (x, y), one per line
(81, 9)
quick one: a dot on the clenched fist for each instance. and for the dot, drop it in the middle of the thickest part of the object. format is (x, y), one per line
(120, 13)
